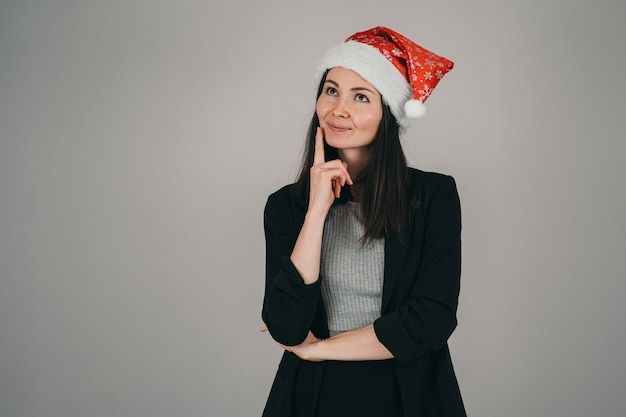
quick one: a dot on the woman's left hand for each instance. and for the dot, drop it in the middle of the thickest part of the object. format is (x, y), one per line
(304, 350)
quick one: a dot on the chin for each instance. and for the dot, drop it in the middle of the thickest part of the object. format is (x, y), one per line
(339, 144)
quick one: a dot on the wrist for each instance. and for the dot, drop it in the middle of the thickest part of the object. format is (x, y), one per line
(316, 352)
(315, 213)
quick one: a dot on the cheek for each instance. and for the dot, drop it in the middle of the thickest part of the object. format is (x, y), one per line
(372, 120)
(321, 109)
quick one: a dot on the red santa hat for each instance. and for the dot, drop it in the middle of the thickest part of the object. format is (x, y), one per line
(403, 72)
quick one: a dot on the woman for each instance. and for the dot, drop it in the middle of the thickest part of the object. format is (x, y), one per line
(363, 252)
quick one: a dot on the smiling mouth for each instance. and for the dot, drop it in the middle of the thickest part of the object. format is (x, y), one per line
(336, 128)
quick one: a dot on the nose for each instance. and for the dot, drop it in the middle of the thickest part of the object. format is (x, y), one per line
(341, 109)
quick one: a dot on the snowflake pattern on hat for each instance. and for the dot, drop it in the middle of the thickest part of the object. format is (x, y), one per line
(413, 61)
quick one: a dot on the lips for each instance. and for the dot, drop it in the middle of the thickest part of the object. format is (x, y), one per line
(338, 128)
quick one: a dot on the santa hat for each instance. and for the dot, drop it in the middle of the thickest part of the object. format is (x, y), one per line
(403, 72)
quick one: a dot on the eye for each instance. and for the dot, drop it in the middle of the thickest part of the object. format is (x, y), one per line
(332, 91)
(362, 98)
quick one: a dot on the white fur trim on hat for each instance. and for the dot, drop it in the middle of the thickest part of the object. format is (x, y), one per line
(370, 64)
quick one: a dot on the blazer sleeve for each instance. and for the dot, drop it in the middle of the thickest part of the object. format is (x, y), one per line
(425, 321)
(289, 305)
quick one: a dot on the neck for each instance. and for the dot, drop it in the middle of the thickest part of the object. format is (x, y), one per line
(356, 160)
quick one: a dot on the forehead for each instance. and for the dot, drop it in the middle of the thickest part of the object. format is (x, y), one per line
(349, 79)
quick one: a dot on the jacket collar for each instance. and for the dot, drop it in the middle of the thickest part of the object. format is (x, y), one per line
(395, 252)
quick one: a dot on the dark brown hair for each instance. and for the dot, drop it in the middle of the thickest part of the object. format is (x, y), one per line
(387, 194)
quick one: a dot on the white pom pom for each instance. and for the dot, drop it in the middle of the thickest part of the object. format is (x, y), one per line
(414, 109)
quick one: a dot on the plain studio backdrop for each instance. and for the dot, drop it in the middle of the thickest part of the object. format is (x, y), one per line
(140, 139)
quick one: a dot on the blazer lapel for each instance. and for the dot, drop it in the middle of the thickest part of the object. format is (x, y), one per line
(395, 252)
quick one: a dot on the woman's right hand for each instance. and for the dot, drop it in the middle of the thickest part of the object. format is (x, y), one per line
(327, 178)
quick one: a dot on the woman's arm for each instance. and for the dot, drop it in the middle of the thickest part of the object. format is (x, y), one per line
(289, 304)
(355, 345)
(293, 262)
(327, 178)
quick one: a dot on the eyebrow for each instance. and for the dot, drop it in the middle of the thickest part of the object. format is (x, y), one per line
(352, 89)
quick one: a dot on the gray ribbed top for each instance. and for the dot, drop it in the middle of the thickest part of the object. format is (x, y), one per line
(353, 273)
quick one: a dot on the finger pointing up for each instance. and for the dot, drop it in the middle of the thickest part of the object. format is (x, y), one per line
(318, 156)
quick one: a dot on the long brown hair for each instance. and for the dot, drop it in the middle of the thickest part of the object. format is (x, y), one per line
(387, 194)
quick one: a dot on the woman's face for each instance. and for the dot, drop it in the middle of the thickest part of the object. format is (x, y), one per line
(349, 110)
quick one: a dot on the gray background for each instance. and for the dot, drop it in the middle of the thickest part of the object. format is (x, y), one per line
(138, 143)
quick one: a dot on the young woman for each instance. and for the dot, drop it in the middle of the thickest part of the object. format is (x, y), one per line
(363, 252)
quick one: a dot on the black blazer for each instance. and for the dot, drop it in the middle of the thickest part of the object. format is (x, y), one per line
(420, 296)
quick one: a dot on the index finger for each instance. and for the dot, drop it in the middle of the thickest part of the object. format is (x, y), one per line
(318, 156)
